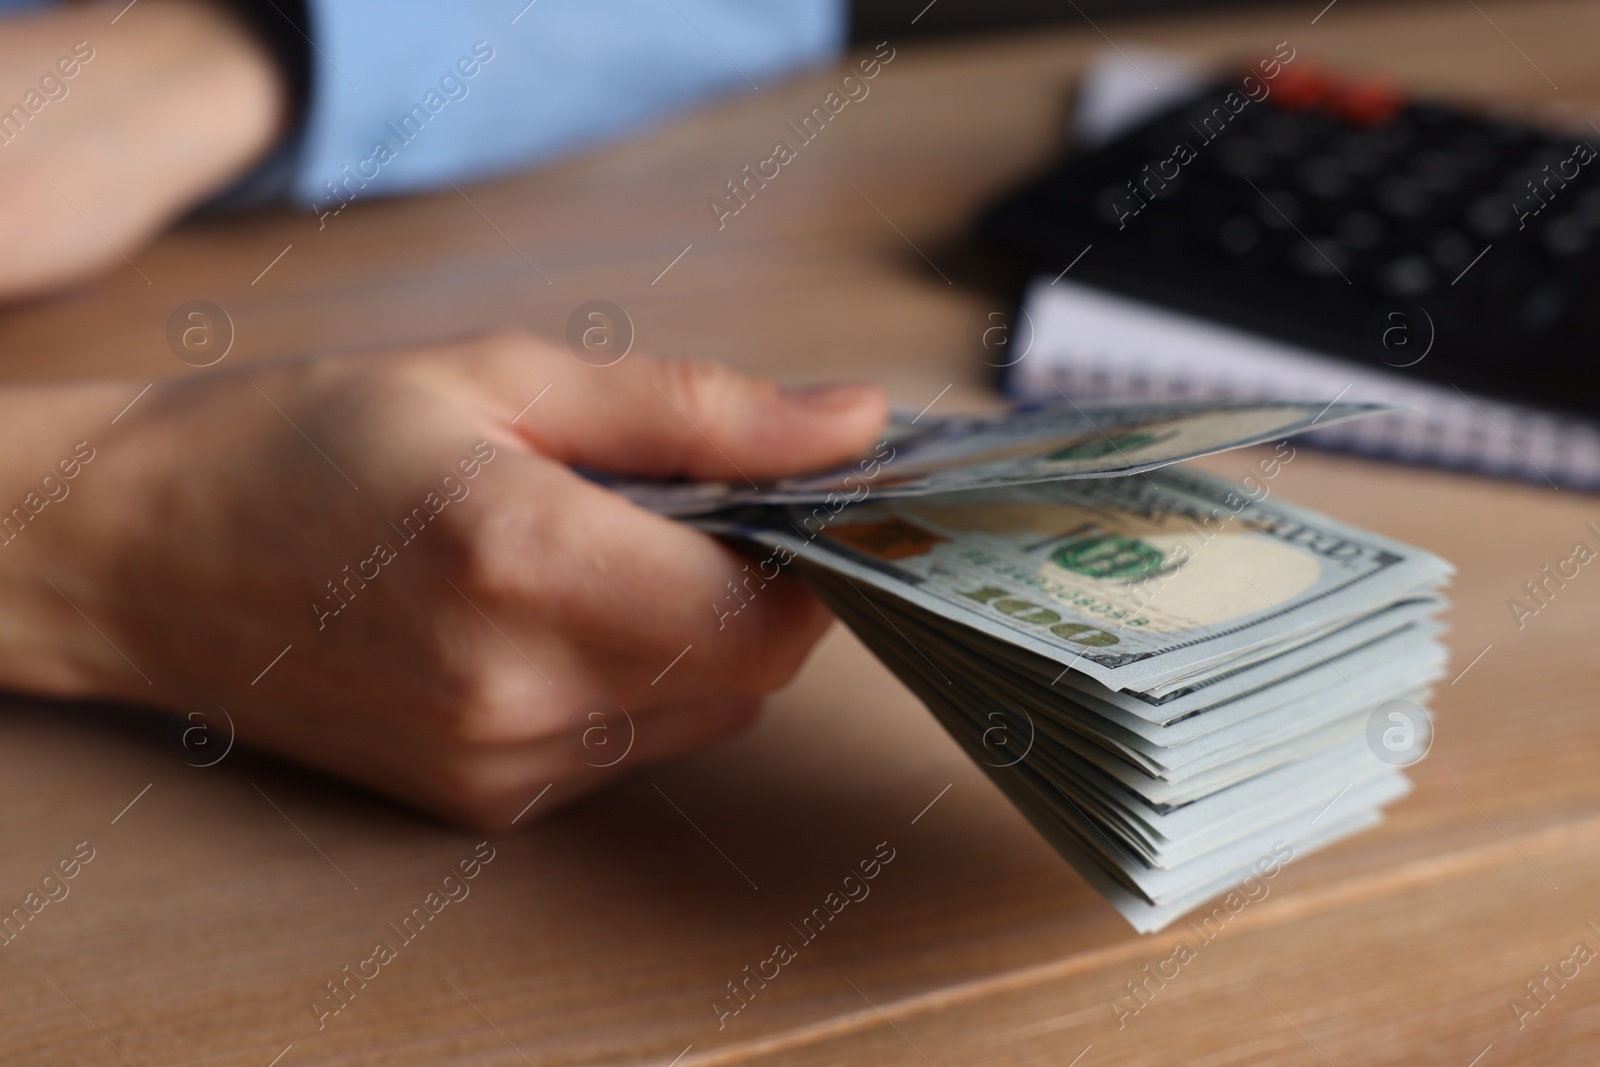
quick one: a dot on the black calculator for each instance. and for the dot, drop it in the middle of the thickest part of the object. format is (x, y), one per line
(1338, 215)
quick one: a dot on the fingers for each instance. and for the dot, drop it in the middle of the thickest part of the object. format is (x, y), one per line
(645, 608)
(489, 787)
(667, 418)
(670, 589)
(492, 786)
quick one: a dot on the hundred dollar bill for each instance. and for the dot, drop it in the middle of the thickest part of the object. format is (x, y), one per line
(1145, 584)
(1046, 720)
(930, 455)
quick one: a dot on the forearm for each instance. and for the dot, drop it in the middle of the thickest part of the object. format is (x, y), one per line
(115, 130)
(51, 439)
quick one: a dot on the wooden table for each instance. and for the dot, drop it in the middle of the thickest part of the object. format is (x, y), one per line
(207, 921)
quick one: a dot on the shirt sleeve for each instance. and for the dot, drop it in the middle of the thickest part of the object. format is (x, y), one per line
(404, 96)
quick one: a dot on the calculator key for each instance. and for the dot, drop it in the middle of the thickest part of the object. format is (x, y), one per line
(1243, 159)
(1405, 197)
(1365, 103)
(1110, 204)
(1589, 207)
(1397, 136)
(1321, 257)
(1362, 230)
(1361, 153)
(1566, 236)
(1517, 185)
(1490, 217)
(1476, 151)
(1284, 135)
(1239, 235)
(1407, 276)
(1300, 88)
(1450, 251)
(1439, 172)
(1323, 177)
(1280, 209)
(1543, 308)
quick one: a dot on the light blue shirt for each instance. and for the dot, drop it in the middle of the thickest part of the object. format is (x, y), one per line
(405, 94)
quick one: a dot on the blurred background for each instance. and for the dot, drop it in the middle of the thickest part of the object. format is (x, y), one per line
(873, 20)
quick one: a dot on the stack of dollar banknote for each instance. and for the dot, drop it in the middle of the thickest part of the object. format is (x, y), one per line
(1174, 676)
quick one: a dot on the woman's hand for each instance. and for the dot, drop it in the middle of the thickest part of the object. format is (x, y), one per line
(382, 565)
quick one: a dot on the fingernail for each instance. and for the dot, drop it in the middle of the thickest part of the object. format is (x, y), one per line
(833, 398)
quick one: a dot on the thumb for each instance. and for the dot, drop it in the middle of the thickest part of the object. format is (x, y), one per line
(696, 419)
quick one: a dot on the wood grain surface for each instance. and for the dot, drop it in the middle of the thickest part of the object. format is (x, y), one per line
(217, 906)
